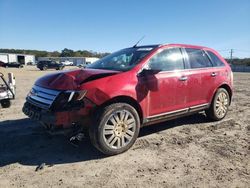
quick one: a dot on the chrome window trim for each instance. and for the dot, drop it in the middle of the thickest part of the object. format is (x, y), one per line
(176, 71)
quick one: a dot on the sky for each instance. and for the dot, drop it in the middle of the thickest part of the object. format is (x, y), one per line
(109, 25)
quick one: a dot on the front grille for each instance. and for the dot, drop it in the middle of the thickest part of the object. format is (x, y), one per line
(42, 97)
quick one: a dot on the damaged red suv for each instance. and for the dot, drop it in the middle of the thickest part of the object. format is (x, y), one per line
(118, 94)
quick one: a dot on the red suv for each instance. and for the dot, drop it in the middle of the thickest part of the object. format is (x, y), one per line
(118, 94)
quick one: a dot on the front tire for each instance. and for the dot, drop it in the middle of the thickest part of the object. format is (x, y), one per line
(116, 128)
(219, 107)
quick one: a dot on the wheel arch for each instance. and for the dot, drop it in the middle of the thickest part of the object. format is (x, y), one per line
(227, 88)
(126, 99)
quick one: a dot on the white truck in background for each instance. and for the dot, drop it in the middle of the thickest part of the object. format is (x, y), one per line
(67, 63)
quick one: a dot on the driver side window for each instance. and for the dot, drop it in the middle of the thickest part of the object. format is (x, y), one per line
(167, 60)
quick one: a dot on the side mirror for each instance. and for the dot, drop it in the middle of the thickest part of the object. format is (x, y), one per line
(147, 72)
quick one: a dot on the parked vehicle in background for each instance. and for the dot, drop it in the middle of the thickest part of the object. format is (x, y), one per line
(67, 63)
(134, 87)
(82, 65)
(49, 64)
(11, 64)
(2, 64)
(31, 63)
(15, 64)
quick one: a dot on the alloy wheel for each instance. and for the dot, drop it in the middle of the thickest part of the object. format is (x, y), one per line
(119, 129)
(221, 105)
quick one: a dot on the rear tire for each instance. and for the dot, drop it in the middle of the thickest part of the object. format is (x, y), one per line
(5, 103)
(219, 106)
(115, 129)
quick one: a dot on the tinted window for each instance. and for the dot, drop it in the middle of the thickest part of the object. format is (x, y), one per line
(216, 61)
(197, 58)
(167, 60)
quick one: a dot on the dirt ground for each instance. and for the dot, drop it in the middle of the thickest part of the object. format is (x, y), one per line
(188, 152)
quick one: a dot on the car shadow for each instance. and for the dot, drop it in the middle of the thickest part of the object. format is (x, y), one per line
(26, 142)
(192, 119)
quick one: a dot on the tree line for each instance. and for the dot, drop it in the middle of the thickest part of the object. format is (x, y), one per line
(85, 53)
(64, 53)
(237, 61)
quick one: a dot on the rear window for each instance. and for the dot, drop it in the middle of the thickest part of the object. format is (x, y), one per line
(216, 61)
(197, 58)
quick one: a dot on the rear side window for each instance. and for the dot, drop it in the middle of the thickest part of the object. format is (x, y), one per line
(216, 61)
(167, 60)
(197, 58)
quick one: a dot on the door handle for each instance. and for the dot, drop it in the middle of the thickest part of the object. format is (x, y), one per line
(213, 74)
(183, 78)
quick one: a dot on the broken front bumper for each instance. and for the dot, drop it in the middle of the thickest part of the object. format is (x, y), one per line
(60, 119)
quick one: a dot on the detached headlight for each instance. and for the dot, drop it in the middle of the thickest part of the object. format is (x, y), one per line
(70, 99)
(76, 95)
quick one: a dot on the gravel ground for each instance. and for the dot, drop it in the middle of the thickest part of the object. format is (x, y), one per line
(188, 152)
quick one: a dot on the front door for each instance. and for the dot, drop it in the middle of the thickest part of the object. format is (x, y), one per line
(166, 82)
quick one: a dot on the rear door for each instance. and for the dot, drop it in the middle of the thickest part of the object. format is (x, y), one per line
(201, 77)
(167, 88)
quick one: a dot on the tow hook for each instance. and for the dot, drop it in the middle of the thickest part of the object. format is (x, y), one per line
(74, 140)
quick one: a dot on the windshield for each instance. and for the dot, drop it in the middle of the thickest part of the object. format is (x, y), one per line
(122, 60)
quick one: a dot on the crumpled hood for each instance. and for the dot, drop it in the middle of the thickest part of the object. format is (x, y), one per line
(71, 80)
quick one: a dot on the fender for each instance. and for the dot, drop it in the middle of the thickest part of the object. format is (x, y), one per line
(226, 86)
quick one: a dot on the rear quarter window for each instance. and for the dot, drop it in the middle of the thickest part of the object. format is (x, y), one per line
(198, 59)
(216, 61)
